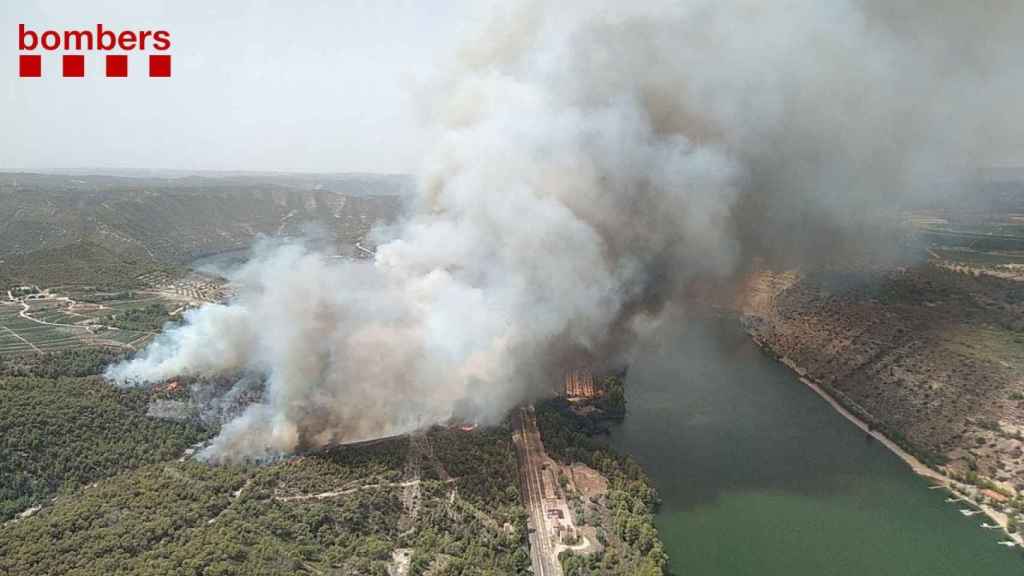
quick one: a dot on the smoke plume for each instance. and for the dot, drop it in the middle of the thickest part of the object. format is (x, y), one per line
(591, 159)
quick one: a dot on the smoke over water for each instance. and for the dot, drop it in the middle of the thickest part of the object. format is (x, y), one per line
(591, 160)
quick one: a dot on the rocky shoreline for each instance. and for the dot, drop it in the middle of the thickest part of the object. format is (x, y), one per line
(960, 490)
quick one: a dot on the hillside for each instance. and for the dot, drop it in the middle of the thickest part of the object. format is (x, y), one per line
(931, 356)
(82, 261)
(357, 510)
(172, 220)
(61, 434)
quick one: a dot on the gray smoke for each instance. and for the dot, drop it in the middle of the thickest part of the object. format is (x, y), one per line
(592, 158)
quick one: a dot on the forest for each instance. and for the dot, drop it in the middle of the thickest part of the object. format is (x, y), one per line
(57, 435)
(76, 362)
(333, 511)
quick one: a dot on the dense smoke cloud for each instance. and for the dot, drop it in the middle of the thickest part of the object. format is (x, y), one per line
(591, 160)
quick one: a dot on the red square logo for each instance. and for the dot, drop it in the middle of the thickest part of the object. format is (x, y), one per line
(30, 65)
(117, 66)
(160, 66)
(74, 65)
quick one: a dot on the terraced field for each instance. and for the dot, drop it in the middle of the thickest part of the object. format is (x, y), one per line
(24, 335)
(57, 322)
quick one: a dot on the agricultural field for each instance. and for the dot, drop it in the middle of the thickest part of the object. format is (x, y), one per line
(19, 334)
(985, 243)
(56, 319)
(979, 258)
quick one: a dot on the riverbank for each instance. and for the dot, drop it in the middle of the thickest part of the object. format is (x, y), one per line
(962, 491)
(591, 489)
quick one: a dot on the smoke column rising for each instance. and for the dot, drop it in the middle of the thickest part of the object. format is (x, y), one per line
(591, 159)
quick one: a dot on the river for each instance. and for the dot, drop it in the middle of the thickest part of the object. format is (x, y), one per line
(759, 475)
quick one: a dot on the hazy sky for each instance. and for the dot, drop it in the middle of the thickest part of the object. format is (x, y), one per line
(261, 85)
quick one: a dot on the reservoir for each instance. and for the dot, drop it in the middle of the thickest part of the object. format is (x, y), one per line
(759, 475)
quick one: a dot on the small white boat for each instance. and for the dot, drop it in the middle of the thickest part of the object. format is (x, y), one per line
(951, 500)
(1007, 543)
(967, 512)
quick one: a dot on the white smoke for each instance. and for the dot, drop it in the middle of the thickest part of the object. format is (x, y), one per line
(591, 158)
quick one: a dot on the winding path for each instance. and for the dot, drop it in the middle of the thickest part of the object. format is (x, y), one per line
(342, 492)
(26, 307)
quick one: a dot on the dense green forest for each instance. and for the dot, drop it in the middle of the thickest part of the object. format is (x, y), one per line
(60, 434)
(613, 401)
(76, 362)
(484, 527)
(340, 511)
(149, 318)
(116, 497)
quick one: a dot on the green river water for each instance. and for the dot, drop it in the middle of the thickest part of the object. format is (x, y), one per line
(758, 475)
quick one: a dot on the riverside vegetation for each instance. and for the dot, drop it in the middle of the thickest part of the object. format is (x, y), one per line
(623, 514)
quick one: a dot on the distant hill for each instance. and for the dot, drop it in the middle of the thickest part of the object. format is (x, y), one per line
(80, 262)
(171, 220)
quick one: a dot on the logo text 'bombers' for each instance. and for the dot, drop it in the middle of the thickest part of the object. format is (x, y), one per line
(100, 39)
